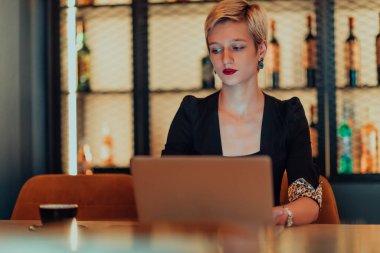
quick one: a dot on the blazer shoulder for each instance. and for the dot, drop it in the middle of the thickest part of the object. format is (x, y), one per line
(288, 108)
(195, 105)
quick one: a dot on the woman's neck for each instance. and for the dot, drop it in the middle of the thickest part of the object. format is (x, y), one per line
(241, 101)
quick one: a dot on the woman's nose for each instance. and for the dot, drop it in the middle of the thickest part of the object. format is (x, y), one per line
(227, 57)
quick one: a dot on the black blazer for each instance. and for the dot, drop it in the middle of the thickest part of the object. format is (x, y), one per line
(285, 136)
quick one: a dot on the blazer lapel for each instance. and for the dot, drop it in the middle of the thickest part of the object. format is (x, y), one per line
(209, 132)
(266, 138)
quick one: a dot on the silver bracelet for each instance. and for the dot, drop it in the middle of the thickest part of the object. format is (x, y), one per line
(289, 220)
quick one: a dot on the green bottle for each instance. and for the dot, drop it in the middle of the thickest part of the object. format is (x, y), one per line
(345, 141)
(83, 57)
(208, 79)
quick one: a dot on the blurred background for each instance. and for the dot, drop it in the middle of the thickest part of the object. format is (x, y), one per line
(87, 84)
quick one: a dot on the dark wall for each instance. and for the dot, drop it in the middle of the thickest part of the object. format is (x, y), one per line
(22, 104)
(358, 202)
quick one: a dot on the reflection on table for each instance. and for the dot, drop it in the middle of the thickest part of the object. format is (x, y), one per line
(112, 236)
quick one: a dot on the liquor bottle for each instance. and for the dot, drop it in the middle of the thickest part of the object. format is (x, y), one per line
(84, 160)
(111, 2)
(208, 80)
(275, 57)
(378, 54)
(310, 54)
(352, 48)
(85, 2)
(107, 148)
(345, 141)
(83, 57)
(369, 146)
(313, 132)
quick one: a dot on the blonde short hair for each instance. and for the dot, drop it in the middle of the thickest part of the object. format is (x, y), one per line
(239, 11)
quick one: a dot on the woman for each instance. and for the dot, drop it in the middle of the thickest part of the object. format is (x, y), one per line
(240, 120)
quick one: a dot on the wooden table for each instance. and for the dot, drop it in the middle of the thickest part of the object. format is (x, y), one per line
(108, 236)
(329, 238)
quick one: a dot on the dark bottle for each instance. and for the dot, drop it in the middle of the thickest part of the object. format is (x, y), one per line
(83, 57)
(208, 79)
(313, 132)
(378, 54)
(310, 55)
(352, 55)
(275, 59)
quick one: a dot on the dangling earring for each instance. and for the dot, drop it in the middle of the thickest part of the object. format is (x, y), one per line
(260, 64)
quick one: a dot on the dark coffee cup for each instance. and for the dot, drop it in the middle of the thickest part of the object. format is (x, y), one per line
(57, 213)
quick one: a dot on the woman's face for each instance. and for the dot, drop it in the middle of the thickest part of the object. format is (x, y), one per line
(233, 52)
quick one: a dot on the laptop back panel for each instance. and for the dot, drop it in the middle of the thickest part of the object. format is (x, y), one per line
(203, 188)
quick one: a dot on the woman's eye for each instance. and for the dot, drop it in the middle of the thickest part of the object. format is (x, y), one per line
(238, 48)
(216, 50)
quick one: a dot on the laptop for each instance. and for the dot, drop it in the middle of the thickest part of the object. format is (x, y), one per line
(204, 189)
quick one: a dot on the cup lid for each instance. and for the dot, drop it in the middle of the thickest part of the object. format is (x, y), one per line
(58, 206)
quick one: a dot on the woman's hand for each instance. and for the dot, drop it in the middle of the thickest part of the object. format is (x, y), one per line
(305, 211)
(279, 215)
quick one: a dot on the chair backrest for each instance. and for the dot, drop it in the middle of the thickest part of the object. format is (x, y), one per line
(328, 214)
(99, 197)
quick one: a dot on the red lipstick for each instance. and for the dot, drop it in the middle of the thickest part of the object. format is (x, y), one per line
(229, 71)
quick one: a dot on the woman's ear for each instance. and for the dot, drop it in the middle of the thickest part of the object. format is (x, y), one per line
(262, 50)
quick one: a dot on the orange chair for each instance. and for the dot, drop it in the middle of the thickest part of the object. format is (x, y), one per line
(99, 197)
(328, 214)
